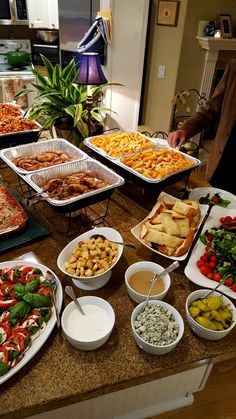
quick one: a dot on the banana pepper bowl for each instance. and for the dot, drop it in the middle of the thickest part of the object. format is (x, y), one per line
(90, 282)
(218, 314)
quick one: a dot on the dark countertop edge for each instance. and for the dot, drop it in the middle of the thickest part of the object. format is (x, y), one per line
(112, 388)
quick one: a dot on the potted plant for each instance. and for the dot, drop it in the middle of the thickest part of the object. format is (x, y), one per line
(62, 103)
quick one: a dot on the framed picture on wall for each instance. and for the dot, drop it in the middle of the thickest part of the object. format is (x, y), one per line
(167, 14)
(226, 26)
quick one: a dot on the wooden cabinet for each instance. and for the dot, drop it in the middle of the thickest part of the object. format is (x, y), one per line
(43, 14)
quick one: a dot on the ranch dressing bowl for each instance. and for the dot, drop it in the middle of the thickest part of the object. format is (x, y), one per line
(92, 330)
(159, 329)
(138, 283)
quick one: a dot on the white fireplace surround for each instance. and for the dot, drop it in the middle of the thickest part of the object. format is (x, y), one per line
(212, 46)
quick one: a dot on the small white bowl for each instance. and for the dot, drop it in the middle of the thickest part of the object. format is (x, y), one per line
(92, 282)
(201, 331)
(96, 331)
(150, 267)
(157, 349)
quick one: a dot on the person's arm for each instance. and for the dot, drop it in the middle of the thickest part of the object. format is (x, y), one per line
(206, 113)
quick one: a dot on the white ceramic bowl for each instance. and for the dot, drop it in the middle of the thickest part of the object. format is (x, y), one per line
(202, 331)
(92, 339)
(157, 349)
(92, 282)
(150, 267)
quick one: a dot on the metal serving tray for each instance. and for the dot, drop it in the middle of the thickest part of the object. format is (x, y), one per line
(156, 141)
(38, 179)
(196, 162)
(10, 154)
(12, 139)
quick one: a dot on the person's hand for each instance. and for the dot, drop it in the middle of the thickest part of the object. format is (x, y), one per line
(177, 138)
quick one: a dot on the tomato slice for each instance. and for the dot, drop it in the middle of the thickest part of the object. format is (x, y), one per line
(22, 330)
(7, 303)
(6, 328)
(6, 288)
(24, 272)
(19, 340)
(3, 354)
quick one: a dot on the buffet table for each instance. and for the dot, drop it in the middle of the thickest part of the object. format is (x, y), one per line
(118, 379)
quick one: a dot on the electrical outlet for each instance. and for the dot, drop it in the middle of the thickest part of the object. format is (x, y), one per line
(161, 71)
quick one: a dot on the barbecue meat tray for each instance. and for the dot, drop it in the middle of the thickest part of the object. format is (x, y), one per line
(38, 179)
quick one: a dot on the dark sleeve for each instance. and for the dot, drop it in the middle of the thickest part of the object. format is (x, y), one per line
(210, 110)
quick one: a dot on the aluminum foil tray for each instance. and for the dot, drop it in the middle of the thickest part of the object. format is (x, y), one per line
(196, 162)
(10, 154)
(12, 139)
(38, 179)
(16, 106)
(88, 143)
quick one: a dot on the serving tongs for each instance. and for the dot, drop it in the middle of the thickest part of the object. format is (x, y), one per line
(33, 199)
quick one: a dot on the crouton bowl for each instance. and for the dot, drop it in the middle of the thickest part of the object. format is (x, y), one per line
(89, 261)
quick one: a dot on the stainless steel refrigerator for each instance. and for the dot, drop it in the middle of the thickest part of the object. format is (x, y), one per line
(75, 19)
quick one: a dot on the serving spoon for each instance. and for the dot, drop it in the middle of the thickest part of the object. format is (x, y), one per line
(95, 236)
(69, 291)
(169, 269)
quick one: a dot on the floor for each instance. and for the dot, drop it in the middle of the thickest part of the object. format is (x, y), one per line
(217, 400)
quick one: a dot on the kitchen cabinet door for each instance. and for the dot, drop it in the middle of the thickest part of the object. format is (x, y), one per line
(43, 14)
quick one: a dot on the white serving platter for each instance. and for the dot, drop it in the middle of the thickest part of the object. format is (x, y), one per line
(191, 270)
(41, 339)
(137, 230)
(60, 144)
(198, 193)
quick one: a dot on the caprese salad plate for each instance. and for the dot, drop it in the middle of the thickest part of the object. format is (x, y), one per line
(213, 259)
(27, 313)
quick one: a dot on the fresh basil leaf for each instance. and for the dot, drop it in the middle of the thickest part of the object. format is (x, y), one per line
(19, 290)
(18, 311)
(37, 300)
(3, 368)
(203, 239)
(37, 271)
(30, 286)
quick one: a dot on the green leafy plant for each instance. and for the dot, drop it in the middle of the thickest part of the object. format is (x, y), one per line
(61, 102)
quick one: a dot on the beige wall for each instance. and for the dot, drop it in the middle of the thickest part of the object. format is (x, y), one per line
(179, 51)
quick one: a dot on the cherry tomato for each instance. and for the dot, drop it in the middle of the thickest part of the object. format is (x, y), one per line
(233, 288)
(212, 265)
(222, 220)
(214, 259)
(228, 282)
(200, 263)
(209, 237)
(217, 277)
(234, 218)
(210, 275)
(228, 219)
(204, 258)
(216, 200)
(204, 270)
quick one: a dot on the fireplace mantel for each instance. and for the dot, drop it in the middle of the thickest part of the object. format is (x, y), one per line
(212, 47)
(217, 44)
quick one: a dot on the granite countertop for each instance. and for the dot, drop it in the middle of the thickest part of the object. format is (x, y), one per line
(59, 374)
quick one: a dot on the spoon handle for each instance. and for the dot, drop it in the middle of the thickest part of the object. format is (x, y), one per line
(69, 291)
(169, 268)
